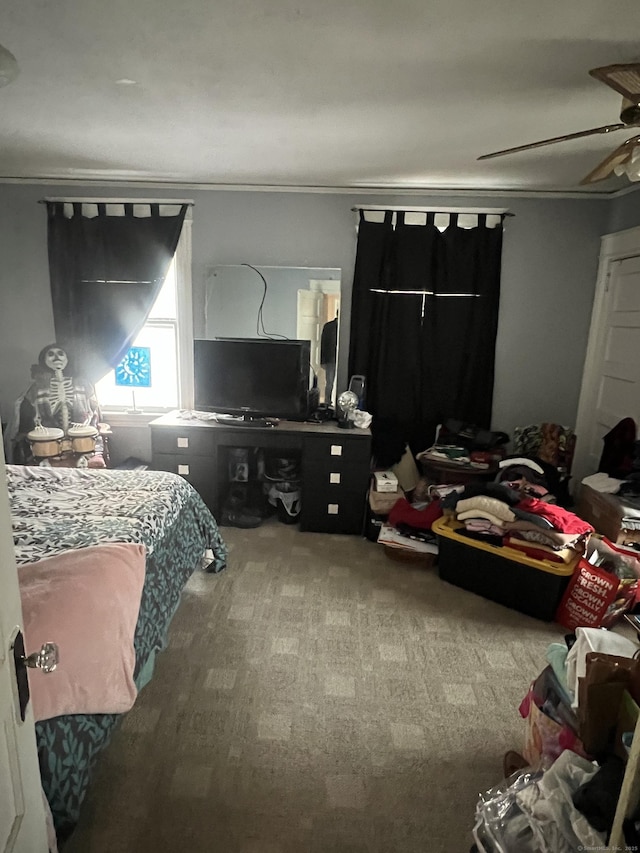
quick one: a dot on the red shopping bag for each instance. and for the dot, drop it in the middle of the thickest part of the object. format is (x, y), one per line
(590, 593)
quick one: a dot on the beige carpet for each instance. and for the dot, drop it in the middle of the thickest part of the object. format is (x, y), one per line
(316, 697)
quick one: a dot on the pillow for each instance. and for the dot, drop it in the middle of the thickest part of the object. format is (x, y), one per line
(86, 601)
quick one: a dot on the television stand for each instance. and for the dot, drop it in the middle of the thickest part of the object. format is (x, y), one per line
(335, 463)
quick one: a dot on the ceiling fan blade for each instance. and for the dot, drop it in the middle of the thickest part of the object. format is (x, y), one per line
(8, 66)
(624, 78)
(608, 128)
(621, 154)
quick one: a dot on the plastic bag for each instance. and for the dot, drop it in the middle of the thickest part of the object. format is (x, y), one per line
(501, 825)
(533, 812)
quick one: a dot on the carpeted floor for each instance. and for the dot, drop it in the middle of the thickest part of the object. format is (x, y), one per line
(316, 697)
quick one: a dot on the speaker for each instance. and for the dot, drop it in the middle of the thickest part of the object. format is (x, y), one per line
(313, 399)
(357, 385)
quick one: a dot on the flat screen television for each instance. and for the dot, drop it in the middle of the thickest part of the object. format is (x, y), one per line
(252, 377)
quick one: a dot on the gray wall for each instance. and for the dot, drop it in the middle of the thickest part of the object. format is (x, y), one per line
(549, 267)
(625, 212)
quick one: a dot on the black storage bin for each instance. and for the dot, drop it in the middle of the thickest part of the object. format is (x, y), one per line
(501, 574)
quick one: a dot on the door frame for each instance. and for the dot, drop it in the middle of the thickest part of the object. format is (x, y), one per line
(26, 809)
(613, 248)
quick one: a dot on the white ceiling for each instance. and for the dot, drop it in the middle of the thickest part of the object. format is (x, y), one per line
(312, 93)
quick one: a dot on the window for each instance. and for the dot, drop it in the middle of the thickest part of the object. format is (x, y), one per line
(168, 333)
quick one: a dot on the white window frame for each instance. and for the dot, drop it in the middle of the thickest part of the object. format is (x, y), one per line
(117, 416)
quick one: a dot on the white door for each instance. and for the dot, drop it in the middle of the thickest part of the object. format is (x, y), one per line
(309, 315)
(22, 820)
(611, 382)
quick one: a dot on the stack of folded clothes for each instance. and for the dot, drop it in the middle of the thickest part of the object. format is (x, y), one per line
(500, 515)
(485, 517)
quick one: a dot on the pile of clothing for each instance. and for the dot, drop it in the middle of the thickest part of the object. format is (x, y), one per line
(499, 514)
(619, 468)
(531, 476)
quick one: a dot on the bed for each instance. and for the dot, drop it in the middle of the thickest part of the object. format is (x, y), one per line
(57, 510)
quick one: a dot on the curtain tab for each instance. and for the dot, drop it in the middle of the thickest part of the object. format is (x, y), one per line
(55, 208)
(453, 220)
(388, 217)
(400, 217)
(431, 217)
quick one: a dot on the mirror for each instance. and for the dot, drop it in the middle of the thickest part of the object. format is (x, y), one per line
(301, 303)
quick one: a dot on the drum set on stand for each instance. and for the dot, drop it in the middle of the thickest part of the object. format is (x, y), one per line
(51, 446)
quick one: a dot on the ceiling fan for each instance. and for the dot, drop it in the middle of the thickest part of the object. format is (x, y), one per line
(625, 159)
(8, 67)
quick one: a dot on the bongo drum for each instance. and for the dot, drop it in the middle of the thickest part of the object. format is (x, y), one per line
(83, 438)
(45, 441)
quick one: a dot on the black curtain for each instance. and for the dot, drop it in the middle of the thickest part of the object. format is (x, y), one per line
(424, 319)
(106, 272)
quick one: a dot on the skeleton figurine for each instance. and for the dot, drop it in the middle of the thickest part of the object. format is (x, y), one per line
(55, 400)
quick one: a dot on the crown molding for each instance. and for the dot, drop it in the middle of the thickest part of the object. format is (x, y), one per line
(428, 192)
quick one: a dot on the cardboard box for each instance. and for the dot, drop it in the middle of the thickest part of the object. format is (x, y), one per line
(383, 502)
(605, 512)
(385, 481)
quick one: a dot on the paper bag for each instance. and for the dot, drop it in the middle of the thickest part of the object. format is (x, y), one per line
(587, 598)
(600, 693)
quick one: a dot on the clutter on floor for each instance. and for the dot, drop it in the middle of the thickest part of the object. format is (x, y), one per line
(566, 790)
(611, 513)
(503, 527)
(610, 498)
(509, 538)
(462, 452)
(509, 541)
(500, 573)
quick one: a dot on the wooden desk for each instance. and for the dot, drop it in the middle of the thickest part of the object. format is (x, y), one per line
(335, 463)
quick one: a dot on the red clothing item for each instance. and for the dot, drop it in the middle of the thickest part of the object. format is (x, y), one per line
(538, 553)
(562, 519)
(403, 512)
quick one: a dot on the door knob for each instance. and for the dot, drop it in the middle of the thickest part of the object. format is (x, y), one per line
(46, 659)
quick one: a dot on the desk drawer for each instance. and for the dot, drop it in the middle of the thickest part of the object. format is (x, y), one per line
(200, 471)
(325, 511)
(336, 478)
(183, 442)
(334, 449)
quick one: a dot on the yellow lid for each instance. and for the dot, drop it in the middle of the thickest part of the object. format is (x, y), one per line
(448, 526)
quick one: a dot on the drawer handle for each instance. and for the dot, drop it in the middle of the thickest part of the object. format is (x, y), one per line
(332, 509)
(336, 450)
(183, 469)
(183, 442)
(334, 478)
